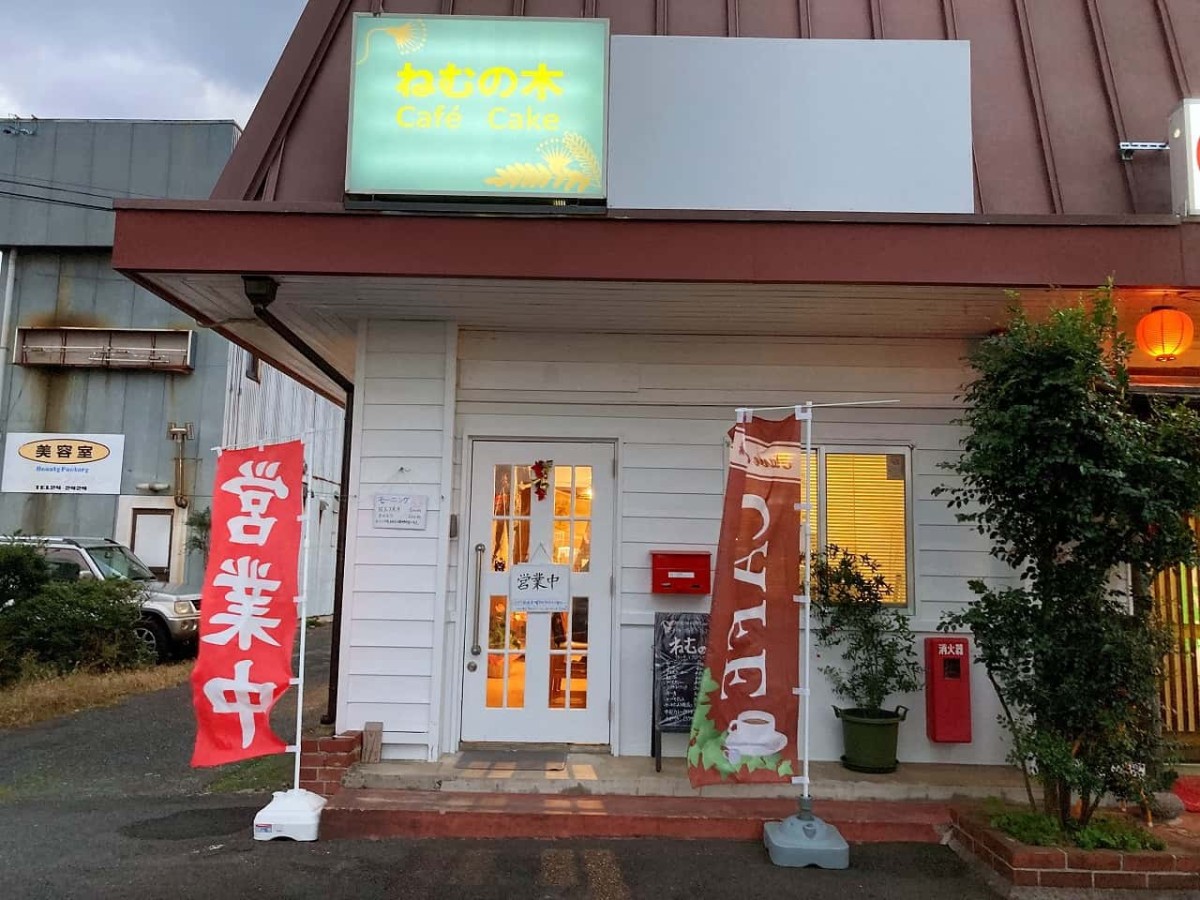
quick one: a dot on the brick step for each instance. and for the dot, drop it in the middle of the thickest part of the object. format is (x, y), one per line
(367, 813)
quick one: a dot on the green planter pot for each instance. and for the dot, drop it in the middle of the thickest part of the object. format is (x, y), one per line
(870, 737)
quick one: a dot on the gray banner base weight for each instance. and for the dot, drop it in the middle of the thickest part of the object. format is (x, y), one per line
(805, 840)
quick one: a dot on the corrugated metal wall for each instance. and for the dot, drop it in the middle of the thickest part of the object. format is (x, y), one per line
(58, 177)
(78, 287)
(57, 182)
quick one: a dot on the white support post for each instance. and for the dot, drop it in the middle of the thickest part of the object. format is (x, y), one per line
(296, 813)
(302, 607)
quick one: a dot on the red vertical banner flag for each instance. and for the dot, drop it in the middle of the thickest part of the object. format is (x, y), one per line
(745, 725)
(248, 615)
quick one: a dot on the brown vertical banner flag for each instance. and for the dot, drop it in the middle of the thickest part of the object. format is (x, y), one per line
(745, 725)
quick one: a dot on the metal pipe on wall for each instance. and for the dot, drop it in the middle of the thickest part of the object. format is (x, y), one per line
(261, 290)
(339, 564)
(10, 281)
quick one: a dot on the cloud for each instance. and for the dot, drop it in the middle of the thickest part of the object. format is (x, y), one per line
(163, 59)
(120, 85)
(8, 102)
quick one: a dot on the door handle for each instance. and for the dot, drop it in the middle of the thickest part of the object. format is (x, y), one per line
(479, 548)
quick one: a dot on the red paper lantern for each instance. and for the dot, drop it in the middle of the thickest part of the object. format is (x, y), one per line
(1164, 333)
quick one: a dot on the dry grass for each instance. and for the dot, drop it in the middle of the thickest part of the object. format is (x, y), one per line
(38, 699)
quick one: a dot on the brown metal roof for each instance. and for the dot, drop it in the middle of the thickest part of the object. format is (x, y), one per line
(1056, 85)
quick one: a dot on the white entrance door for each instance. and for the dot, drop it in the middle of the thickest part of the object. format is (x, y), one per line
(151, 539)
(539, 676)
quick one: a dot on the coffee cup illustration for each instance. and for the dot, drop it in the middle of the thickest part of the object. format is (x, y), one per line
(753, 733)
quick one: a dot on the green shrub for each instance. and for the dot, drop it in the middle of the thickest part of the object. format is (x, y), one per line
(72, 626)
(1033, 828)
(23, 572)
(1105, 833)
(1102, 833)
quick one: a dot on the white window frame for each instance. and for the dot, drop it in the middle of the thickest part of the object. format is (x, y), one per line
(910, 544)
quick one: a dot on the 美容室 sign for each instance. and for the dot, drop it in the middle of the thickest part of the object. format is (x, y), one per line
(39, 463)
(475, 106)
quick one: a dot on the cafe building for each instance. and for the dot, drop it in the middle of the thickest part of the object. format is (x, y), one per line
(543, 250)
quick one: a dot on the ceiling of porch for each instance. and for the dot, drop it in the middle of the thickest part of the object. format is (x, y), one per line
(325, 310)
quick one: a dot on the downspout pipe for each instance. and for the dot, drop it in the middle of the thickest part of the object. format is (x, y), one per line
(10, 281)
(261, 290)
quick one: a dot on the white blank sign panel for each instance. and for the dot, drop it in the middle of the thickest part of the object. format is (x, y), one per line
(790, 125)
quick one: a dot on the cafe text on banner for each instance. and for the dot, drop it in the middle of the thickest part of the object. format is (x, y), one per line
(745, 724)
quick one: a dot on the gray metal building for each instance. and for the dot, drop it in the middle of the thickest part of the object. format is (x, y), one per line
(87, 352)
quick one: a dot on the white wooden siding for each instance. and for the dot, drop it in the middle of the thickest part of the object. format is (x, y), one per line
(669, 400)
(396, 579)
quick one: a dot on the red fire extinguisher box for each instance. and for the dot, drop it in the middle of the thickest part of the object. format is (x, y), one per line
(948, 690)
(680, 572)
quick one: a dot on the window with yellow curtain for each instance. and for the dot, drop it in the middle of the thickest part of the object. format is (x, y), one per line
(865, 510)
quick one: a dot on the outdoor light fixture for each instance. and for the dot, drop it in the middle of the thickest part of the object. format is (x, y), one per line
(1164, 333)
(1128, 148)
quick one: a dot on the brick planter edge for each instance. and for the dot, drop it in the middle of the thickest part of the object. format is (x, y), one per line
(1022, 866)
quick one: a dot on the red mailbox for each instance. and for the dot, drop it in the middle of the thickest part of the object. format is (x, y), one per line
(680, 572)
(948, 690)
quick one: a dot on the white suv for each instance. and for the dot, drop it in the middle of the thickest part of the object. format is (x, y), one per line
(170, 613)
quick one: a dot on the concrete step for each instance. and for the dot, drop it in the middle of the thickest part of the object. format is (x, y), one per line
(595, 774)
(365, 813)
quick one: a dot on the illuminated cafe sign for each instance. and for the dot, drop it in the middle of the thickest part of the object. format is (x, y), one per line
(460, 106)
(1184, 142)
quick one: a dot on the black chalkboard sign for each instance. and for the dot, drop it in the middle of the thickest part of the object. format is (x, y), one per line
(679, 645)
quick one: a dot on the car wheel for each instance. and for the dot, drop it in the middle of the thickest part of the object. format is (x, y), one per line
(154, 638)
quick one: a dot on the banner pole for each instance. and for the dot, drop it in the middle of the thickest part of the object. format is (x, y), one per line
(302, 608)
(804, 839)
(806, 536)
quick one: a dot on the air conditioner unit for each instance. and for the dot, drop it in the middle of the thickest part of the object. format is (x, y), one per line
(166, 350)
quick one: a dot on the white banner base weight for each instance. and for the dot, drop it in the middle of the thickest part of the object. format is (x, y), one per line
(294, 814)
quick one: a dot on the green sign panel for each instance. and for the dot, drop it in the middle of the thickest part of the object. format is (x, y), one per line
(493, 107)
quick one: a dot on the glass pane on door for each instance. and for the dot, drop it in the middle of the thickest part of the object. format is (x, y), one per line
(572, 517)
(511, 525)
(569, 656)
(506, 645)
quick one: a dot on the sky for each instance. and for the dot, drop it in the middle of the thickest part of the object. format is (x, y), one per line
(139, 59)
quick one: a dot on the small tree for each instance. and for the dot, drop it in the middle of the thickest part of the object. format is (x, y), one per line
(199, 523)
(1072, 478)
(878, 656)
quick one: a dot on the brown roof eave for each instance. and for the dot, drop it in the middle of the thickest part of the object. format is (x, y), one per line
(326, 240)
(661, 215)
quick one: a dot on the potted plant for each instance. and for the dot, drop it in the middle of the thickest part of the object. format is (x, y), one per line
(878, 650)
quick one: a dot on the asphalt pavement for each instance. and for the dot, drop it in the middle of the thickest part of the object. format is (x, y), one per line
(103, 804)
(139, 748)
